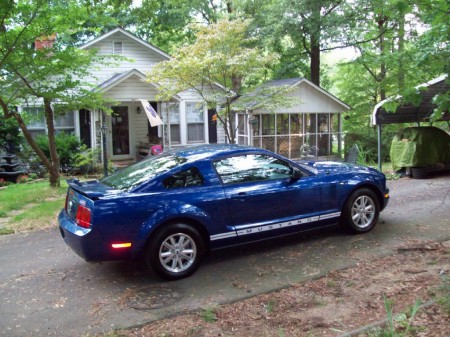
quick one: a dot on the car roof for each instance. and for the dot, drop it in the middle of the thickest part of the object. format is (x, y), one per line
(212, 151)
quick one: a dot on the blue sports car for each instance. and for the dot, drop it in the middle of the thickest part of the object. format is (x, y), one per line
(172, 208)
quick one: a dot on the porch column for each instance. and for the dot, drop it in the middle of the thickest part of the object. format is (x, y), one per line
(340, 135)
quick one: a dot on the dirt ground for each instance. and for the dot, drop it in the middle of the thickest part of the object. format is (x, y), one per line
(339, 304)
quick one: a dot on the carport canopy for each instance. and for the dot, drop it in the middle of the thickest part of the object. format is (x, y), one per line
(408, 112)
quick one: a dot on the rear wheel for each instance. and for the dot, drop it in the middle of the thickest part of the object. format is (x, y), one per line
(361, 211)
(175, 251)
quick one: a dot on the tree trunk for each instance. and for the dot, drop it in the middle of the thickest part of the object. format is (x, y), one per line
(315, 61)
(315, 42)
(53, 170)
(381, 21)
(401, 48)
(53, 177)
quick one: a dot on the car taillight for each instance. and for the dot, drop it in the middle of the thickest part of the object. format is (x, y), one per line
(67, 202)
(83, 218)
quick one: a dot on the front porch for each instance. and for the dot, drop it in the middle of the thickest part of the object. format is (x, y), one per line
(309, 130)
(293, 135)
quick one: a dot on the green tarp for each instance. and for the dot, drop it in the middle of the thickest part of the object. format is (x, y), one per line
(420, 147)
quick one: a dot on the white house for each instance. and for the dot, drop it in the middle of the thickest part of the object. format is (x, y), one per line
(125, 82)
(186, 118)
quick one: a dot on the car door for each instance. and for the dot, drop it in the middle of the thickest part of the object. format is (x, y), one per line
(263, 198)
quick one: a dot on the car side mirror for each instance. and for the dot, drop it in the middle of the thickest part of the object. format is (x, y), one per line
(296, 174)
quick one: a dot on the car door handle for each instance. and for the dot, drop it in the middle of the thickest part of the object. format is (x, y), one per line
(240, 196)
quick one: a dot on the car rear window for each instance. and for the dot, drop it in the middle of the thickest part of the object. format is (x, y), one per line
(187, 178)
(143, 171)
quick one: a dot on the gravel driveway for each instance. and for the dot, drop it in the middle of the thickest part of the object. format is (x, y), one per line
(45, 289)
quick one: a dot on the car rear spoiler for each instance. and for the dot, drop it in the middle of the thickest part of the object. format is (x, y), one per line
(87, 188)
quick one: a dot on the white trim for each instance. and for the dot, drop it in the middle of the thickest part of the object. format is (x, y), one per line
(124, 77)
(223, 236)
(131, 36)
(121, 79)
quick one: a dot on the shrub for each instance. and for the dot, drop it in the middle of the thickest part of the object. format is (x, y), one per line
(22, 179)
(67, 146)
(86, 160)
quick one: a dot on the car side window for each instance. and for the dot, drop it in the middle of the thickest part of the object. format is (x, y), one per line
(252, 167)
(187, 178)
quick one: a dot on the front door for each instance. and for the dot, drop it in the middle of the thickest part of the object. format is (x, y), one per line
(120, 131)
(85, 127)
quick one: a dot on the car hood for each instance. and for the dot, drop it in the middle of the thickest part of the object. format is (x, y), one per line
(331, 167)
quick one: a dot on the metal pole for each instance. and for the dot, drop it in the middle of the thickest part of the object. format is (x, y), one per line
(105, 157)
(379, 146)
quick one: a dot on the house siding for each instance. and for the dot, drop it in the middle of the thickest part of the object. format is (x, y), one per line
(139, 57)
(133, 88)
(311, 100)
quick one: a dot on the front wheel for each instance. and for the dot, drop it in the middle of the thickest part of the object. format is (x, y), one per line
(361, 211)
(176, 251)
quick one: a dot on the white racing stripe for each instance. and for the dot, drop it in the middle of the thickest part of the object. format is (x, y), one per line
(256, 228)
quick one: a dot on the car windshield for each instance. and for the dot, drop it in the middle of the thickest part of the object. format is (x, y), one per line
(143, 171)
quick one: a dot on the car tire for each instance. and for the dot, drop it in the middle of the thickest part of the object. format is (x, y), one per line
(361, 211)
(419, 172)
(176, 251)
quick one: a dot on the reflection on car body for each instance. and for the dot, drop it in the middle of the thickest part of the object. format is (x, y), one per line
(172, 208)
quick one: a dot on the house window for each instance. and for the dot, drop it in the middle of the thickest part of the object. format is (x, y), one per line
(171, 112)
(36, 121)
(195, 122)
(117, 48)
(65, 122)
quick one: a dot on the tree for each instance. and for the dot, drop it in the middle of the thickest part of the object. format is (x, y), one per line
(54, 76)
(220, 66)
(394, 56)
(300, 30)
(168, 23)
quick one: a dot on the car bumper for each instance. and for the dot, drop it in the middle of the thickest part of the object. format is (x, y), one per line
(386, 198)
(88, 243)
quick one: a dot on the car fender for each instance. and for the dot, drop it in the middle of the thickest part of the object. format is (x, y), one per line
(171, 211)
(366, 182)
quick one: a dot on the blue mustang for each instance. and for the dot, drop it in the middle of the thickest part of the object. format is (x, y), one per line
(172, 208)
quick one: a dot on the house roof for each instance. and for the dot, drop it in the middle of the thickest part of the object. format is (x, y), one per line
(298, 80)
(120, 77)
(410, 113)
(128, 34)
(291, 82)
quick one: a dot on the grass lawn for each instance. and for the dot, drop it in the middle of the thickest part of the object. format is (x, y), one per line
(30, 206)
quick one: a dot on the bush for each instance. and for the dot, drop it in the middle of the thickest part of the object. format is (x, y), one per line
(367, 143)
(67, 146)
(4, 182)
(86, 160)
